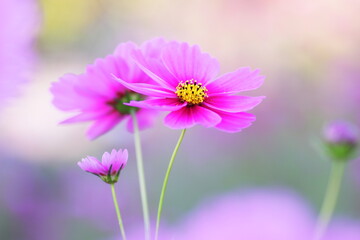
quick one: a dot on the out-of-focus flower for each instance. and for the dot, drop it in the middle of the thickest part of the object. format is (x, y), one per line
(258, 215)
(255, 215)
(110, 166)
(18, 27)
(187, 87)
(343, 230)
(29, 202)
(97, 97)
(341, 139)
(137, 233)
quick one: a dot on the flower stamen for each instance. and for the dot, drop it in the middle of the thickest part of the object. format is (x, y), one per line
(191, 92)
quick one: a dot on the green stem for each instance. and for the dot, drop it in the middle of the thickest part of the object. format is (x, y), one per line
(331, 196)
(166, 181)
(118, 211)
(141, 175)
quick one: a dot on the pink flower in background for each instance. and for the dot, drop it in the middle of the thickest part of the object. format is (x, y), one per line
(259, 215)
(96, 96)
(255, 215)
(165, 233)
(187, 86)
(18, 27)
(110, 166)
(343, 230)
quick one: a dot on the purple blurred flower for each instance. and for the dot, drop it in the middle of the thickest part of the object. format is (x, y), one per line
(110, 166)
(187, 86)
(18, 26)
(29, 202)
(98, 97)
(343, 230)
(341, 138)
(259, 215)
(137, 233)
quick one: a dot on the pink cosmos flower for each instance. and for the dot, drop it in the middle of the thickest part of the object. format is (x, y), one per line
(187, 86)
(18, 27)
(97, 97)
(110, 166)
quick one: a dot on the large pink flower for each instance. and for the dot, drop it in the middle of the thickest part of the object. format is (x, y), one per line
(187, 86)
(96, 96)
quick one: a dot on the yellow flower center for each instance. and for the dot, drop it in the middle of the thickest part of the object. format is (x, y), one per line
(191, 92)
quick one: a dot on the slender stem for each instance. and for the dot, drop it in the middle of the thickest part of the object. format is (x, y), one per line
(141, 175)
(331, 196)
(118, 212)
(166, 181)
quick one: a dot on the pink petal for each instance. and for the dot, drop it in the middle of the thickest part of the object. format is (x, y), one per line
(147, 89)
(152, 48)
(92, 165)
(89, 115)
(188, 62)
(121, 158)
(231, 103)
(65, 97)
(114, 162)
(155, 70)
(125, 50)
(129, 71)
(242, 79)
(98, 77)
(124, 157)
(145, 119)
(103, 125)
(106, 160)
(164, 104)
(132, 73)
(234, 122)
(190, 116)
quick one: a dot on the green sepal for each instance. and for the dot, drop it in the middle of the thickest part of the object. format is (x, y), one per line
(126, 98)
(341, 151)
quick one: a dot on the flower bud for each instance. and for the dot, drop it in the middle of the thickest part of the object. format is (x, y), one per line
(341, 139)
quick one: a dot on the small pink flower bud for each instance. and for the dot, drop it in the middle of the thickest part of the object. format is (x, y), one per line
(110, 166)
(341, 139)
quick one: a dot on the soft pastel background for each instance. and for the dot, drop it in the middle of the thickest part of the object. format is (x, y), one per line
(308, 50)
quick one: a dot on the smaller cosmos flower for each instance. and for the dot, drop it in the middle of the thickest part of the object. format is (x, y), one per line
(187, 86)
(110, 166)
(341, 139)
(96, 96)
